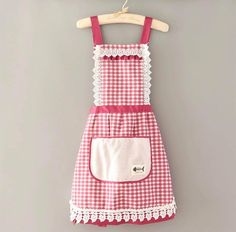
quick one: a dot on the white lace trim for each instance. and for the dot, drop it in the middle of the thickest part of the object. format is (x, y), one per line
(147, 76)
(141, 51)
(105, 51)
(97, 80)
(78, 214)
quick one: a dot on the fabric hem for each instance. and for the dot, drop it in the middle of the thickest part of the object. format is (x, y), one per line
(115, 222)
(135, 216)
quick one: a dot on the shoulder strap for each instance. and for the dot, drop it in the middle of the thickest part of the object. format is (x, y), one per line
(96, 30)
(146, 30)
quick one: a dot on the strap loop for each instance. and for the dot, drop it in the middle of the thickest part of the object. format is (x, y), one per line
(96, 30)
(146, 30)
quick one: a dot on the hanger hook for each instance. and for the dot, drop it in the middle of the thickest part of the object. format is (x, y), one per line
(123, 7)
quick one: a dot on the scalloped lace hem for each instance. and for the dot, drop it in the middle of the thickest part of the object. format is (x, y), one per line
(78, 214)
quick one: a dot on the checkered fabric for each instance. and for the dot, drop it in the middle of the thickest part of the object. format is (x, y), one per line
(87, 192)
(121, 76)
(121, 83)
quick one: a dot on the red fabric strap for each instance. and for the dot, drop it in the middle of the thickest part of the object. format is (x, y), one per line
(96, 30)
(97, 34)
(146, 30)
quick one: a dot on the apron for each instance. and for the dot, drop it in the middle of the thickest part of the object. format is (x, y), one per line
(121, 173)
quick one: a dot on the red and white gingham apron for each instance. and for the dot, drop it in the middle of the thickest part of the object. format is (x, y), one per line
(121, 173)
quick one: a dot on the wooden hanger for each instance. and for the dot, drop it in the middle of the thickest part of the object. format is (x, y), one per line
(123, 17)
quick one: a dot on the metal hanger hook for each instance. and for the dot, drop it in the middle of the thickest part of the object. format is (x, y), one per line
(123, 10)
(123, 7)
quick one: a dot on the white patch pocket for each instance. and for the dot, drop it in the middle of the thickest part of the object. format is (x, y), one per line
(120, 159)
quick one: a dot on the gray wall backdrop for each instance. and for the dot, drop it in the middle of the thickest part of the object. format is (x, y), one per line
(46, 91)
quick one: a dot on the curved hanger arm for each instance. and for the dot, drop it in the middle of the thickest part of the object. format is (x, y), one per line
(123, 18)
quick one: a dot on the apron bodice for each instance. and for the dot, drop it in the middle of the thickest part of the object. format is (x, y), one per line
(121, 71)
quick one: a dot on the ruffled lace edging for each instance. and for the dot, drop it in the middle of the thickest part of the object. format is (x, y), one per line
(78, 214)
(138, 50)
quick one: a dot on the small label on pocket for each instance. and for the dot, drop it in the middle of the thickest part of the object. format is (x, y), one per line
(138, 169)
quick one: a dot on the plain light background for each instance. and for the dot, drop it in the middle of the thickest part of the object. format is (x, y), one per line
(46, 91)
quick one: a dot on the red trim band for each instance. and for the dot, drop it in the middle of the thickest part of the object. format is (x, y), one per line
(121, 109)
